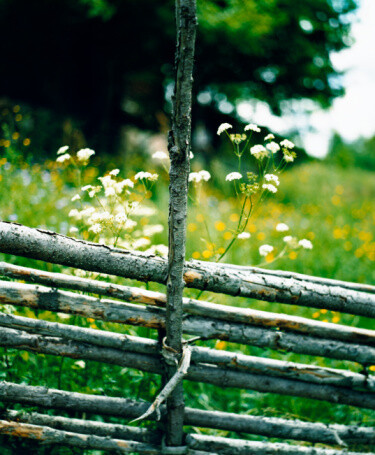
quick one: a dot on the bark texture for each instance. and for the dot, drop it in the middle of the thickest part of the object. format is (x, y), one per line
(58, 249)
(179, 150)
(268, 426)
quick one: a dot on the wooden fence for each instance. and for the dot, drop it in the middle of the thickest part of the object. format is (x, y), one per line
(42, 290)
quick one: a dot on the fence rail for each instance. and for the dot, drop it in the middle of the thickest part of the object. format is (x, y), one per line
(58, 249)
(127, 305)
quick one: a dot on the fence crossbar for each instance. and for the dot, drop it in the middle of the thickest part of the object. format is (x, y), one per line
(58, 249)
(197, 443)
(28, 331)
(191, 306)
(48, 435)
(39, 297)
(122, 407)
(215, 374)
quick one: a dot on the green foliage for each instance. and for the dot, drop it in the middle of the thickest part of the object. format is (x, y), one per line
(331, 206)
(360, 153)
(109, 61)
(99, 8)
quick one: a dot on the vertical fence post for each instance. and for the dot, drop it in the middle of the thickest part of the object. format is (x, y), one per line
(179, 150)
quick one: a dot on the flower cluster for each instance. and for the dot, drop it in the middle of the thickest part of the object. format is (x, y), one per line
(197, 177)
(110, 209)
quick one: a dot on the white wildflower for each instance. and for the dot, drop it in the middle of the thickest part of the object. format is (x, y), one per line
(84, 154)
(161, 250)
(76, 198)
(73, 230)
(110, 191)
(114, 172)
(288, 158)
(107, 181)
(269, 187)
(96, 228)
(160, 156)
(258, 151)
(141, 243)
(243, 235)
(62, 150)
(195, 177)
(304, 243)
(205, 175)
(287, 144)
(252, 127)
(272, 178)
(288, 239)
(269, 137)
(94, 190)
(146, 176)
(282, 227)
(74, 214)
(87, 211)
(153, 229)
(223, 127)
(233, 176)
(87, 187)
(144, 211)
(100, 217)
(130, 224)
(264, 250)
(121, 218)
(63, 158)
(119, 186)
(273, 147)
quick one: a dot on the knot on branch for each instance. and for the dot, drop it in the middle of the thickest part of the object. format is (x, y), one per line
(170, 355)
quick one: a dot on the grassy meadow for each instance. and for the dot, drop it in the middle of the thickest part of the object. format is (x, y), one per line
(333, 207)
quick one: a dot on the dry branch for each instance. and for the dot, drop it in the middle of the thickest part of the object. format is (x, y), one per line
(211, 374)
(39, 297)
(194, 307)
(226, 446)
(267, 426)
(47, 435)
(278, 368)
(170, 386)
(58, 249)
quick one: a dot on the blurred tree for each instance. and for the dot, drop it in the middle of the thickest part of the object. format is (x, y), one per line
(360, 153)
(107, 63)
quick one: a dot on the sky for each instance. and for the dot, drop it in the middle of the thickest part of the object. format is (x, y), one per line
(352, 115)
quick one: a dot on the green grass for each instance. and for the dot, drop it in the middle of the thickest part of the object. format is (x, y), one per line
(332, 207)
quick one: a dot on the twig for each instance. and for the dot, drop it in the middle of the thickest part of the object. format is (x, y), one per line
(180, 373)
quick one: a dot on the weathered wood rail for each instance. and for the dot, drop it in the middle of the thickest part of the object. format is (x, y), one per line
(127, 305)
